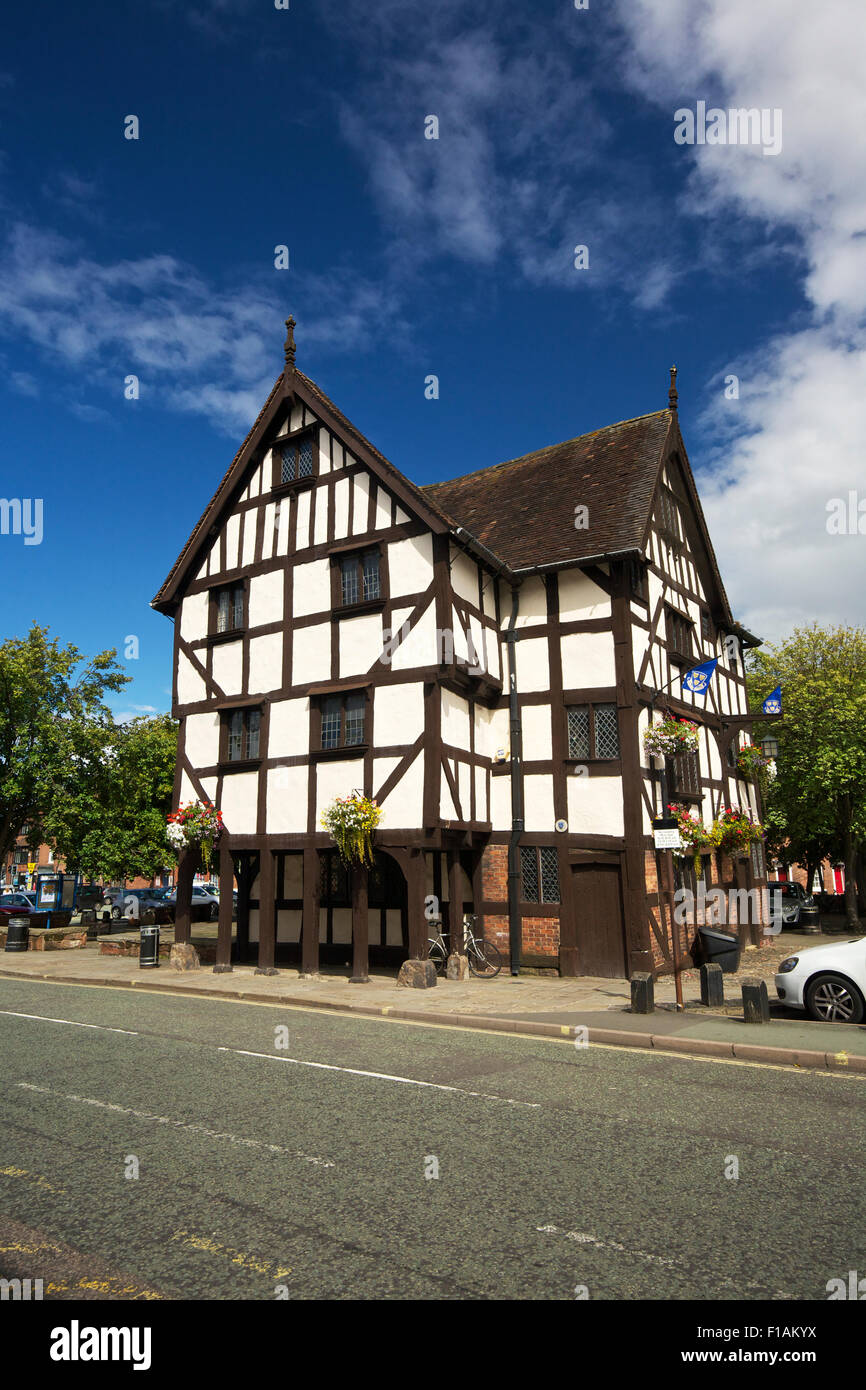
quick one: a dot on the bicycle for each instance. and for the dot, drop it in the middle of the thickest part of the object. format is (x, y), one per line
(482, 956)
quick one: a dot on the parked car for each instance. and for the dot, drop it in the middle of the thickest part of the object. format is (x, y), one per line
(18, 904)
(829, 982)
(118, 900)
(205, 905)
(794, 900)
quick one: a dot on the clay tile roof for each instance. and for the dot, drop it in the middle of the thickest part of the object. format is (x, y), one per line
(524, 510)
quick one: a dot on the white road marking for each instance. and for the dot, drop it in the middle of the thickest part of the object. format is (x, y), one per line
(584, 1238)
(178, 1124)
(383, 1076)
(101, 1027)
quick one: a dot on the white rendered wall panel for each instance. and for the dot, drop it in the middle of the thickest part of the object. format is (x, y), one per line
(289, 732)
(228, 667)
(239, 802)
(193, 617)
(311, 654)
(266, 598)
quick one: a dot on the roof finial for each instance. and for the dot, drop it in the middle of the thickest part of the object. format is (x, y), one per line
(672, 394)
(289, 345)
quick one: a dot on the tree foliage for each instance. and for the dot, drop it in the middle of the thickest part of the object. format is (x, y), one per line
(111, 821)
(53, 719)
(816, 805)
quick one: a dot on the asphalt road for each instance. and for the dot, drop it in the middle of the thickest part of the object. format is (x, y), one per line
(300, 1171)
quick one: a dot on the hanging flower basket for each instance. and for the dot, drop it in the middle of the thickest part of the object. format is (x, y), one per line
(195, 824)
(351, 821)
(753, 765)
(671, 737)
(734, 832)
(693, 833)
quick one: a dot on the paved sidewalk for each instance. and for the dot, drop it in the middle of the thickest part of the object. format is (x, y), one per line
(544, 1007)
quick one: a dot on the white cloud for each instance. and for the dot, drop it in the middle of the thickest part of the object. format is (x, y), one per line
(197, 347)
(794, 440)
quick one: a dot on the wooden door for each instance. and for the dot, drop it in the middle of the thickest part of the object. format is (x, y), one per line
(598, 913)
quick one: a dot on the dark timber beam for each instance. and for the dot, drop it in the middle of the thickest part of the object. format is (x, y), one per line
(267, 914)
(188, 862)
(310, 920)
(224, 930)
(360, 931)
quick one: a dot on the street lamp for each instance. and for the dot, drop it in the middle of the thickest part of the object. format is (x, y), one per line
(770, 747)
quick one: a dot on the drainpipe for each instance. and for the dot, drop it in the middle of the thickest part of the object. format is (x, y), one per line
(514, 933)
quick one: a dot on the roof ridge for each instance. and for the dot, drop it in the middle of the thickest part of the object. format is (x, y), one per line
(534, 453)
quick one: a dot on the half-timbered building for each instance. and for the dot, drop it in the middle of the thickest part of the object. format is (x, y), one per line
(480, 655)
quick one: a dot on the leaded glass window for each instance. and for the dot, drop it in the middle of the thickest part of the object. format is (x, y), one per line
(606, 732)
(243, 740)
(539, 869)
(230, 608)
(296, 459)
(578, 731)
(343, 720)
(593, 732)
(529, 874)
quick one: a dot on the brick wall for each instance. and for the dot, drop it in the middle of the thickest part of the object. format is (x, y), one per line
(540, 935)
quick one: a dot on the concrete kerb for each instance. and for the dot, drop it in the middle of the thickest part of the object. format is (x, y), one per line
(601, 1037)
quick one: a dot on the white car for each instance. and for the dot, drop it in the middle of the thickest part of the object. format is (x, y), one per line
(829, 982)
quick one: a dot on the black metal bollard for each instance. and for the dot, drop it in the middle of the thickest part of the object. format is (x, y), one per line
(148, 955)
(18, 934)
(712, 984)
(642, 993)
(756, 1003)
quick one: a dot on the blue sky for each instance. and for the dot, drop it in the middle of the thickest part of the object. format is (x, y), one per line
(261, 127)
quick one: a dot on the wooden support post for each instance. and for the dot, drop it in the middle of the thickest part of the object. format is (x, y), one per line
(267, 914)
(477, 891)
(248, 861)
(668, 874)
(456, 942)
(712, 984)
(756, 1003)
(642, 993)
(187, 863)
(224, 930)
(310, 921)
(416, 883)
(360, 962)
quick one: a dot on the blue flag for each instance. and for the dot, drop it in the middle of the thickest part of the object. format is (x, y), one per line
(699, 677)
(773, 702)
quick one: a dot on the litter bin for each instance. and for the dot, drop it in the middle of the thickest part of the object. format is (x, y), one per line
(810, 919)
(719, 948)
(148, 956)
(18, 934)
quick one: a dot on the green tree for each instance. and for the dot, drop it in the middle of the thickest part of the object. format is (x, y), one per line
(53, 717)
(110, 822)
(817, 802)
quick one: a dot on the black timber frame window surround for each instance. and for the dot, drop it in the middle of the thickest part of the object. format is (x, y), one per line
(539, 874)
(593, 732)
(680, 633)
(684, 776)
(228, 610)
(359, 579)
(240, 736)
(669, 513)
(296, 459)
(340, 722)
(637, 579)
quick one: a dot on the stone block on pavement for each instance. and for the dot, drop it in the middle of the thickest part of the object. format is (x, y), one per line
(417, 974)
(184, 956)
(456, 967)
